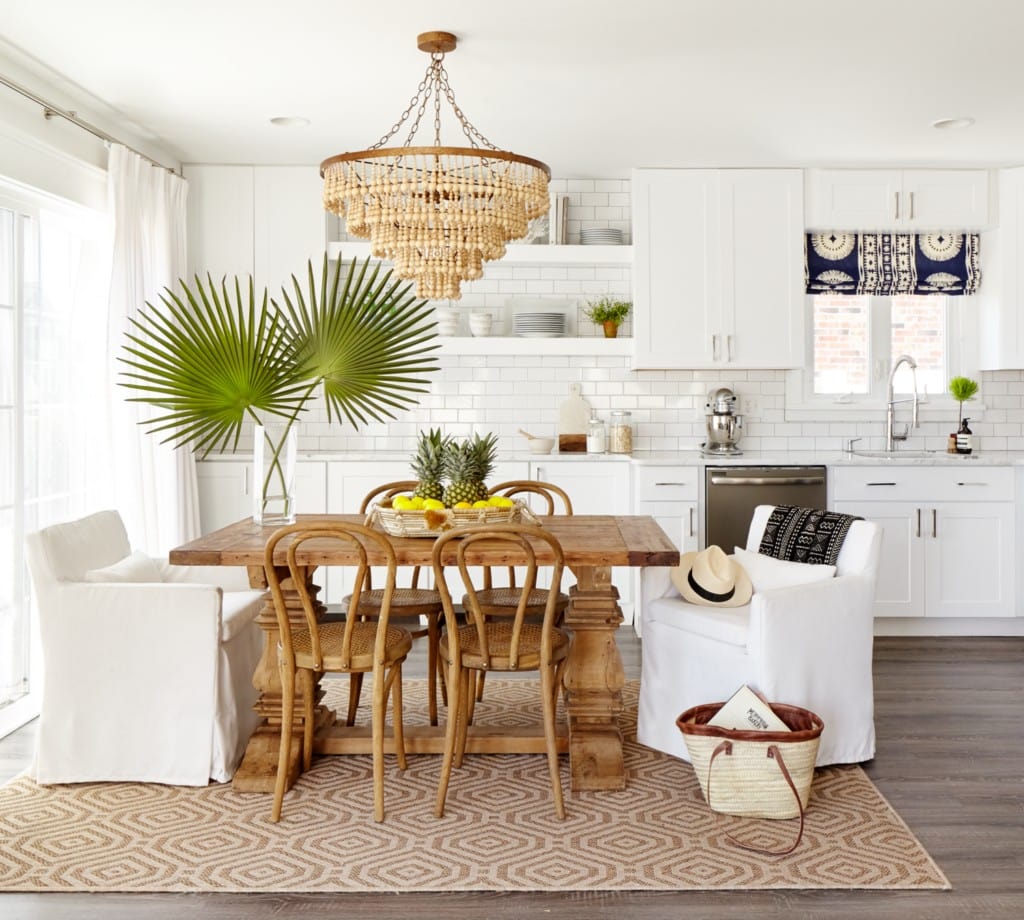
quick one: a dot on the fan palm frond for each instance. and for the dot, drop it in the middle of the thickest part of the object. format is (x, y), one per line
(211, 360)
(366, 338)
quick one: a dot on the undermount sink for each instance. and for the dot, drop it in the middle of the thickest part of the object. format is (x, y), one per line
(911, 455)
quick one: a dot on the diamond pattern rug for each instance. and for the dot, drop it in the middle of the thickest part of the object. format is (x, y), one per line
(499, 833)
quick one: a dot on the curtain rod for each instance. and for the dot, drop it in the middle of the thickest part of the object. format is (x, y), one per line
(50, 110)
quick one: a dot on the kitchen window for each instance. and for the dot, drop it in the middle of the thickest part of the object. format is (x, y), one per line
(853, 339)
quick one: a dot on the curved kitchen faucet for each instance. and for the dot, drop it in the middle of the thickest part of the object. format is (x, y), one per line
(890, 411)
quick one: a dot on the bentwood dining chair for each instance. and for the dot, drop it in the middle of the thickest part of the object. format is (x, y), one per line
(418, 609)
(357, 645)
(480, 643)
(544, 498)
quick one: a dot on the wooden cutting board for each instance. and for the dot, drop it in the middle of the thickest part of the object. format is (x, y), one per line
(573, 415)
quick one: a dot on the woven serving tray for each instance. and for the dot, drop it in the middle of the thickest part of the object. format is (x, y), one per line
(431, 523)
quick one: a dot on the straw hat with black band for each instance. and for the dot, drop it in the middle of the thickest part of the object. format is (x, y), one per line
(712, 579)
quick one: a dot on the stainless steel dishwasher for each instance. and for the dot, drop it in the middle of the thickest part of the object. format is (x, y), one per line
(733, 492)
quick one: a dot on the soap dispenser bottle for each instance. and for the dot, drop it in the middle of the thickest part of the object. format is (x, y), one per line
(964, 438)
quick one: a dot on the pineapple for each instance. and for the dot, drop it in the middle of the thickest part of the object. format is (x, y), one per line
(428, 463)
(467, 466)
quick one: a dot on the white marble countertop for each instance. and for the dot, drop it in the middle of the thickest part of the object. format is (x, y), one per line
(696, 458)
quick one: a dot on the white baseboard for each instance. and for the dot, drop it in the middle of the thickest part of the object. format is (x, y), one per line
(949, 626)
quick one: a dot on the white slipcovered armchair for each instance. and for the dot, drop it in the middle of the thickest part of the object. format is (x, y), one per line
(808, 645)
(147, 667)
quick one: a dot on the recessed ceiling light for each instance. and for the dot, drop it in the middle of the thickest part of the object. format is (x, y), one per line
(289, 121)
(953, 123)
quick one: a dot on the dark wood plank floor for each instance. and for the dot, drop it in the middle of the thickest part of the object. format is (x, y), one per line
(950, 760)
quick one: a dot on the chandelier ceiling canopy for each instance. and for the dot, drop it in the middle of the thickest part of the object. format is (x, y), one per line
(437, 212)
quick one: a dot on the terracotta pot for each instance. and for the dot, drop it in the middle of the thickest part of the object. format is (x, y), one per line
(611, 329)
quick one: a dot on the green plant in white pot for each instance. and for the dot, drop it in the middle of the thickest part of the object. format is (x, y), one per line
(216, 358)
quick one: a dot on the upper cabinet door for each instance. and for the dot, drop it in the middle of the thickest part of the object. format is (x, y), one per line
(762, 299)
(675, 267)
(290, 225)
(718, 268)
(885, 199)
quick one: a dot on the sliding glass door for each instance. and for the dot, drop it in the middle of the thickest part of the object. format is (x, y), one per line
(54, 382)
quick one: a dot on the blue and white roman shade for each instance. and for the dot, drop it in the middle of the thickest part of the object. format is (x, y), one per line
(892, 263)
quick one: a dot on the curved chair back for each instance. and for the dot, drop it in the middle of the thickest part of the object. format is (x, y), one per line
(556, 500)
(295, 548)
(473, 547)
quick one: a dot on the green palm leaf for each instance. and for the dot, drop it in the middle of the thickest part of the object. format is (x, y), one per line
(212, 359)
(366, 338)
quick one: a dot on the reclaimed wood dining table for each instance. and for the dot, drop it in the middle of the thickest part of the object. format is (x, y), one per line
(594, 677)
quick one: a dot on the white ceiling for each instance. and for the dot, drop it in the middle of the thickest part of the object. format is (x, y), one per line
(591, 87)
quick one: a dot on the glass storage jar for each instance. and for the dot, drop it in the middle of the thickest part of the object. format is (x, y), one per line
(620, 433)
(596, 435)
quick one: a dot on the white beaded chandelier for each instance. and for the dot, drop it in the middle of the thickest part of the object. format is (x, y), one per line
(438, 213)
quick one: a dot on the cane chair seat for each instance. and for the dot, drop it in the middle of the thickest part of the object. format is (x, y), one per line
(397, 644)
(499, 643)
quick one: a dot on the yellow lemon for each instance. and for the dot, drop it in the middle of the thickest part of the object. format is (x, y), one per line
(402, 503)
(432, 504)
(417, 503)
(481, 504)
(501, 501)
(462, 505)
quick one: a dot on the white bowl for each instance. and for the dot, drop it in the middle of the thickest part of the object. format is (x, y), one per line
(540, 445)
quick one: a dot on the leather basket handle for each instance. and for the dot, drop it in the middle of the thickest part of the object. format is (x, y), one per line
(774, 753)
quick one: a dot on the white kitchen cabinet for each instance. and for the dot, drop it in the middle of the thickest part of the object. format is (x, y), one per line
(948, 540)
(595, 487)
(718, 268)
(895, 199)
(669, 495)
(1000, 317)
(225, 490)
(263, 221)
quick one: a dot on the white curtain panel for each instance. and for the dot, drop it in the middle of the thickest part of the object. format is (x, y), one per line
(156, 486)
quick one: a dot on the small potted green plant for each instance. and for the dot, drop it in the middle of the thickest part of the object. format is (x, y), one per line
(609, 313)
(962, 389)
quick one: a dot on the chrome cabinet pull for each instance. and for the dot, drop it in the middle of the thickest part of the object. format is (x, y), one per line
(935, 531)
(897, 197)
(972, 483)
(918, 534)
(714, 347)
(670, 483)
(693, 531)
(728, 348)
(881, 483)
(245, 480)
(911, 215)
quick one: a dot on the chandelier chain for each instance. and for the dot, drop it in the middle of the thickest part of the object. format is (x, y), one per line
(434, 83)
(397, 126)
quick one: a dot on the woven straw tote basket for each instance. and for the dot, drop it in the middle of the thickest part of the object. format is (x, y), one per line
(754, 774)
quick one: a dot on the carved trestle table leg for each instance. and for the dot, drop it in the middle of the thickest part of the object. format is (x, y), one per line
(593, 681)
(258, 769)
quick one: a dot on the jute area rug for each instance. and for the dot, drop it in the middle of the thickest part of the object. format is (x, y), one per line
(499, 833)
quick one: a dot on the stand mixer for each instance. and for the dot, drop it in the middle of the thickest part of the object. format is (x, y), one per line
(725, 426)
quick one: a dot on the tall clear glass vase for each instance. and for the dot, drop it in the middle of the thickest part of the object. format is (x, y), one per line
(275, 451)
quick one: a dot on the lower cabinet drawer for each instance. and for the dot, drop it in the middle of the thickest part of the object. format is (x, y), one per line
(666, 483)
(922, 484)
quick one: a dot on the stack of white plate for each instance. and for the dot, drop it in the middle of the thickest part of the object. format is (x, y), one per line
(538, 325)
(601, 236)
